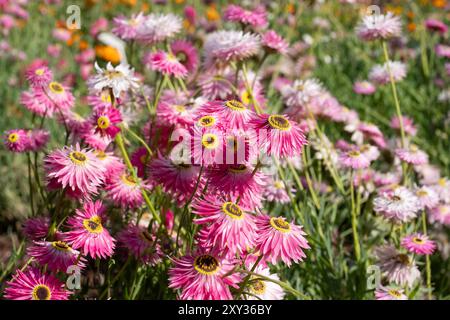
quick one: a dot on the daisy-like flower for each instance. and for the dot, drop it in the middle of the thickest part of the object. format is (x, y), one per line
(158, 27)
(418, 244)
(140, 160)
(173, 113)
(273, 42)
(232, 113)
(427, 197)
(442, 188)
(208, 146)
(36, 228)
(278, 240)
(436, 25)
(301, 92)
(216, 84)
(408, 125)
(399, 205)
(33, 285)
(77, 170)
(39, 75)
(38, 139)
(412, 155)
(110, 162)
(126, 28)
(28, 99)
(104, 121)
(264, 290)
(141, 244)
(224, 46)
(390, 293)
(278, 136)
(125, 190)
(54, 96)
(203, 276)
(166, 63)
(57, 255)
(119, 79)
(379, 26)
(379, 74)
(440, 214)
(275, 190)
(185, 53)
(398, 268)
(17, 140)
(442, 50)
(364, 88)
(229, 226)
(255, 18)
(354, 159)
(86, 231)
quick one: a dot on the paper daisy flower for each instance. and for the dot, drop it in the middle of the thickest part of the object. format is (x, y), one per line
(77, 170)
(28, 99)
(273, 42)
(379, 26)
(232, 113)
(174, 113)
(119, 79)
(436, 25)
(54, 96)
(301, 92)
(158, 27)
(186, 54)
(126, 28)
(256, 18)
(36, 228)
(275, 191)
(141, 244)
(427, 197)
(166, 63)
(140, 160)
(399, 205)
(278, 136)
(412, 155)
(86, 231)
(229, 226)
(110, 162)
(418, 244)
(33, 285)
(279, 240)
(354, 159)
(379, 74)
(57, 255)
(39, 75)
(105, 121)
(124, 190)
(408, 125)
(440, 214)
(208, 146)
(262, 289)
(390, 293)
(17, 140)
(38, 139)
(224, 46)
(364, 88)
(203, 276)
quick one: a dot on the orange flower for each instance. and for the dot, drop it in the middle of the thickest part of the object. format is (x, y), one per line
(74, 38)
(290, 8)
(212, 14)
(83, 45)
(145, 7)
(439, 3)
(411, 27)
(188, 26)
(107, 53)
(130, 3)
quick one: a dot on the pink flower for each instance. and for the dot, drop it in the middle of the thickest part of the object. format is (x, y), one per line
(419, 244)
(278, 240)
(442, 50)
(275, 191)
(274, 42)
(440, 214)
(28, 99)
(354, 159)
(408, 125)
(166, 63)
(208, 146)
(364, 88)
(101, 24)
(428, 198)
(54, 50)
(173, 113)
(185, 53)
(39, 75)
(436, 25)
(379, 74)
(17, 140)
(278, 135)
(36, 228)
(232, 113)
(379, 26)
(125, 190)
(399, 205)
(86, 231)
(104, 121)
(141, 244)
(256, 18)
(384, 293)
(126, 28)
(33, 285)
(412, 155)
(54, 96)
(110, 162)
(57, 255)
(77, 170)
(38, 139)
(140, 159)
(229, 227)
(201, 276)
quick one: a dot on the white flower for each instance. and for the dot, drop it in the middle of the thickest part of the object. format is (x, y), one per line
(265, 290)
(158, 27)
(379, 26)
(400, 205)
(120, 78)
(301, 92)
(380, 73)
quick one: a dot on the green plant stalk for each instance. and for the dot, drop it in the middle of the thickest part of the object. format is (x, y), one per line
(354, 221)
(309, 182)
(427, 258)
(247, 278)
(30, 185)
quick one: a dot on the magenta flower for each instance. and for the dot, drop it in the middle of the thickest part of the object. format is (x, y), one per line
(86, 231)
(354, 159)
(140, 160)
(232, 113)
(141, 244)
(36, 228)
(442, 50)
(278, 240)
(17, 140)
(104, 121)
(166, 63)
(390, 293)
(38, 75)
(124, 190)
(185, 53)
(418, 244)
(436, 25)
(126, 28)
(273, 42)
(255, 18)
(54, 96)
(33, 285)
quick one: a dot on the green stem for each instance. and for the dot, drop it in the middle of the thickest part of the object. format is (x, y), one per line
(427, 258)
(309, 182)
(30, 185)
(354, 221)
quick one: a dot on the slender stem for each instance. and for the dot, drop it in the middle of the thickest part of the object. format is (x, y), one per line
(309, 182)
(354, 221)
(30, 185)
(135, 136)
(427, 258)
(116, 277)
(247, 278)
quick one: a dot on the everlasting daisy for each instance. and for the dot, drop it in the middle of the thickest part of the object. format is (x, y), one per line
(264, 290)
(75, 169)
(232, 113)
(33, 285)
(105, 120)
(141, 244)
(397, 267)
(390, 293)
(379, 26)
(166, 63)
(158, 27)
(208, 146)
(408, 125)
(442, 188)
(86, 231)
(275, 191)
(124, 190)
(57, 255)
(229, 226)
(203, 276)
(412, 155)
(186, 54)
(17, 140)
(119, 79)
(38, 139)
(364, 88)
(301, 92)
(440, 214)
(110, 162)
(379, 74)
(399, 205)
(140, 160)
(28, 99)
(436, 25)
(418, 244)
(442, 50)
(38, 75)
(173, 113)
(278, 240)
(273, 42)
(427, 197)
(224, 46)
(354, 159)
(126, 28)
(54, 96)
(255, 18)
(279, 136)
(36, 228)
(216, 84)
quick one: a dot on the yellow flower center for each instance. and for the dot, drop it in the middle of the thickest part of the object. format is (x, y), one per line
(113, 74)
(421, 193)
(354, 153)
(232, 210)
(395, 293)
(240, 168)
(418, 240)
(93, 224)
(246, 97)
(100, 154)
(206, 264)
(279, 122)
(179, 108)
(60, 245)
(278, 184)
(257, 286)
(103, 122)
(441, 182)
(13, 137)
(235, 105)
(41, 292)
(413, 148)
(39, 72)
(280, 224)
(56, 87)
(207, 121)
(128, 180)
(210, 141)
(78, 158)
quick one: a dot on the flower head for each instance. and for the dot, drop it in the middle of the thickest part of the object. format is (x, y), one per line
(390, 293)
(418, 244)
(119, 79)
(185, 53)
(379, 74)
(158, 27)
(256, 17)
(141, 244)
(105, 121)
(412, 155)
(273, 42)
(166, 63)
(399, 205)
(379, 26)
(38, 75)
(17, 140)
(126, 28)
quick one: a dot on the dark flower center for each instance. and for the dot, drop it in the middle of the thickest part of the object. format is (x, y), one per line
(206, 264)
